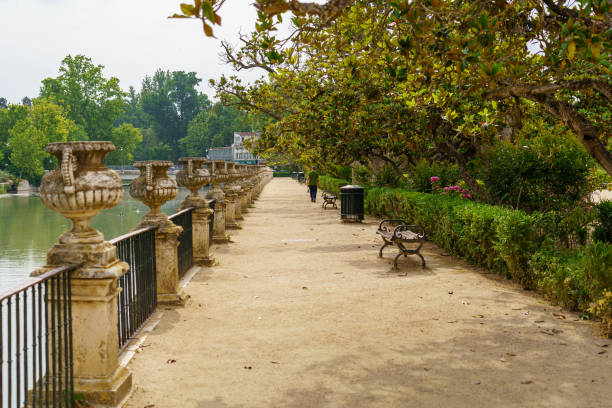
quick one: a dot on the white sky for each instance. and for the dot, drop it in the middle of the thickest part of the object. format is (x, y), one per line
(130, 38)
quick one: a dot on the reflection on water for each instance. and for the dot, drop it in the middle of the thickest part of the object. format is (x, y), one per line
(28, 230)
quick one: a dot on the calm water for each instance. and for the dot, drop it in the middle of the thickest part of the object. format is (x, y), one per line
(28, 230)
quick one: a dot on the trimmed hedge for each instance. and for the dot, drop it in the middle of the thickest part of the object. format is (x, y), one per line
(332, 184)
(282, 174)
(530, 248)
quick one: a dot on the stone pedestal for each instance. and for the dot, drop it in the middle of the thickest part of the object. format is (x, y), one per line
(153, 187)
(97, 373)
(219, 235)
(193, 176)
(201, 229)
(230, 210)
(238, 204)
(166, 263)
(79, 188)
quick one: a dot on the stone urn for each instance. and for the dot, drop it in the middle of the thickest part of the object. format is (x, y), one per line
(80, 187)
(219, 176)
(154, 188)
(194, 177)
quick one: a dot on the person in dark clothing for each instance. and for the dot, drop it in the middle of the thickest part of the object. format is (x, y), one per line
(313, 182)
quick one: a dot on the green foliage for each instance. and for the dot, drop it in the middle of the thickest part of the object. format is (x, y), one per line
(332, 184)
(510, 242)
(27, 150)
(125, 138)
(363, 176)
(543, 173)
(423, 171)
(282, 174)
(603, 230)
(171, 100)
(388, 177)
(90, 100)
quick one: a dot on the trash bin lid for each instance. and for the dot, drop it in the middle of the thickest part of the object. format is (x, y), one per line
(351, 187)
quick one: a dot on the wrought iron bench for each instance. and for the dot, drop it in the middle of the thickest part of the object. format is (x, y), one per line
(400, 233)
(329, 199)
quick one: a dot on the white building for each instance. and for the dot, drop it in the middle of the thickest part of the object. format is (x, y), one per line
(237, 152)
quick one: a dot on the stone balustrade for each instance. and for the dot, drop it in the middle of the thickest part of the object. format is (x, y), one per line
(79, 188)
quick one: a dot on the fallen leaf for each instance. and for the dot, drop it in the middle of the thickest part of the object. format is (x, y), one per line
(274, 362)
(545, 332)
(603, 345)
(465, 302)
(305, 287)
(479, 316)
(450, 292)
(559, 315)
(452, 321)
(511, 354)
(539, 321)
(248, 367)
(171, 361)
(503, 360)
(602, 352)
(527, 382)
(149, 406)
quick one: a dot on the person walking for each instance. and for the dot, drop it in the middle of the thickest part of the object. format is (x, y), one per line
(313, 182)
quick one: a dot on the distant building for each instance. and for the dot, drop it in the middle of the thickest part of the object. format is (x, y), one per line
(236, 152)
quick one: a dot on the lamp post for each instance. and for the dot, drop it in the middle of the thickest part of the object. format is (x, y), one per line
(122, 169)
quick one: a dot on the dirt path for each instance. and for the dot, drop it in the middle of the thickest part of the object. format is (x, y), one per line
(302, 313)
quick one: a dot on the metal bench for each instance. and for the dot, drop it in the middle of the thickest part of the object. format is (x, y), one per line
(329, 199)
(400, 233)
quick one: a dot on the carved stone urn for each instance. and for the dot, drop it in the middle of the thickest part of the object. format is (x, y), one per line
(154, 188)
(79, 188)
(219, 176)
(194, 177)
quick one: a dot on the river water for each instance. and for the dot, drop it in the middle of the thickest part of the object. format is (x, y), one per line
(28, 230)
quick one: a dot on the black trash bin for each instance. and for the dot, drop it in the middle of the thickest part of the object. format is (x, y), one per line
(351, 203)
(294, 175)
(300, 177)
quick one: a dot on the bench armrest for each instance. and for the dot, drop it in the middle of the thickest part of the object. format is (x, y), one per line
(416, 228)
(395, 221)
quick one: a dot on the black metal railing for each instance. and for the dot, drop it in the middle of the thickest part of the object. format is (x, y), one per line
(36, 343)
(185, 249)
(138, 297)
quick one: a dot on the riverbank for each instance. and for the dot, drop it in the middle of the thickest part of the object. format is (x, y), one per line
(300, 312)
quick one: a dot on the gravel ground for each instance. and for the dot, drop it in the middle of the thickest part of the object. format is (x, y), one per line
(301, 312)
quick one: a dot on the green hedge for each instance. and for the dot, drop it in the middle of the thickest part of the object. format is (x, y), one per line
(282, 174)
(332, 184)
(529, 248)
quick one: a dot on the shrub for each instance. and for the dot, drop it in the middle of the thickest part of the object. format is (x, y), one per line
(332, 184)
(282, 174)
(423, 171)
(542, 173)
(603, 230)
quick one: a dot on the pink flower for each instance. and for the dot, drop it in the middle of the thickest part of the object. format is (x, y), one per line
(456, 188)
(446, 189)
(433, 179)
(443, 193)
(464, 191)
(468, 196)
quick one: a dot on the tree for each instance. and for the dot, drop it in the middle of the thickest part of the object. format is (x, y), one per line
(172, 101)
(125, 138)
(27, 146)
(3, 103)
(554, 54)
(91, 100)
(26, 101)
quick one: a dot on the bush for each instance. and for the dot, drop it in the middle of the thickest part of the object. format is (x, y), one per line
(539, 174)
(420, 179)
(603, 230)
(514, 243)
(282, 174)
(388, 177)
(332, 184)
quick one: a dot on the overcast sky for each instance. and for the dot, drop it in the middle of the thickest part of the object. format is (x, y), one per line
(130, 38)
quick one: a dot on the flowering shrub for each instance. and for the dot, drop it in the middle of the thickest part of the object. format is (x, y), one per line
(457, 191)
